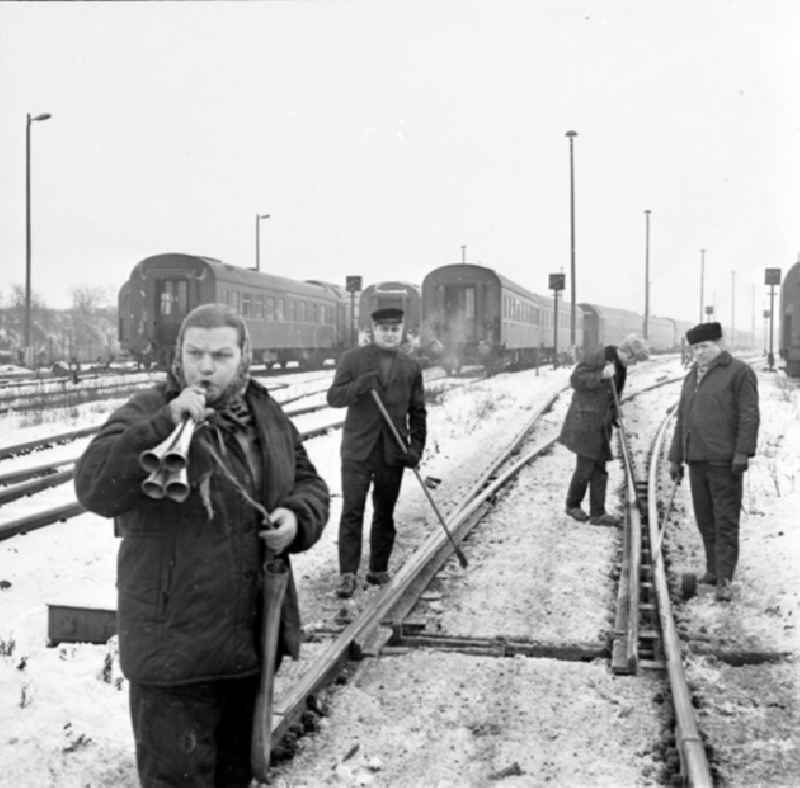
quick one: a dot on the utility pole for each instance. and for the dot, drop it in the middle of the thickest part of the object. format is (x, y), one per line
(733, 308)
(571, 136)
(646, 271)
(464, 254)
(702, 281)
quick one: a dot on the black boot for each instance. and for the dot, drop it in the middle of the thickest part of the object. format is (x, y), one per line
(575, 494)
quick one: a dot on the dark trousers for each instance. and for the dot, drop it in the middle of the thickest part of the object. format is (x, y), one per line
(194, 736)
(717, 500)
(592, 474)
(356, 478)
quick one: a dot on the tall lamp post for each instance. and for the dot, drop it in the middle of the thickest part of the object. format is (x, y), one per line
(28, 121)
(571, 136)
(259, 217)
(702, 281)
(646, 271)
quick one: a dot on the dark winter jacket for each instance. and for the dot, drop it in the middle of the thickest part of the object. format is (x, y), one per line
(592, 413)
(189, 586)
(719, 417)
(403, 395)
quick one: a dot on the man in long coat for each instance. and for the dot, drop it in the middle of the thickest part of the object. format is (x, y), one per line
(189, 575)
(369, 451)
(716, 432)
(588, 426)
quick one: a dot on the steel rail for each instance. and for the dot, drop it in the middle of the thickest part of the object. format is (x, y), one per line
(403, 589)
(31, 522)
(693, 761)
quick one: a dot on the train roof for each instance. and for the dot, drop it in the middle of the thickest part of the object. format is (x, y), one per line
(391, 285)
(609, 311)
(505, 283)
(242, 276)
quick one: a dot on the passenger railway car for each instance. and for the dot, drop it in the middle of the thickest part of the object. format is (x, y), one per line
(402, 295)
(605, 325)
(288, 320)
(660, 334)
(789, 321)
(473, 315)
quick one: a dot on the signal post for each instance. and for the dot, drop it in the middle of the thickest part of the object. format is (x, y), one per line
(556, 283)
(772, 277)
(353, 285)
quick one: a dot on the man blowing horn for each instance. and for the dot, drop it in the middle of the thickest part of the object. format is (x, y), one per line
(190, 574)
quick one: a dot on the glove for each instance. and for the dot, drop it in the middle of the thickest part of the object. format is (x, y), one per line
(365, 381)
(676, 471)
(608, 371)
(739, 464)
(411, 459)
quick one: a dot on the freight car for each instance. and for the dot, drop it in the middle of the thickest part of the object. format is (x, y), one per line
(402, 295)
(789, 321)
(288, 320)
(473, 315)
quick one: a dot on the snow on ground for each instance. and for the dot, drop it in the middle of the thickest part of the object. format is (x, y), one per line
(64, 725)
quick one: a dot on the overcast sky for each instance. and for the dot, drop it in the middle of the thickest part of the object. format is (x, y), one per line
(381, 136)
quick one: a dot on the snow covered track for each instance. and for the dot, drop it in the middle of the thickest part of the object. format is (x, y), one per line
(731, 665)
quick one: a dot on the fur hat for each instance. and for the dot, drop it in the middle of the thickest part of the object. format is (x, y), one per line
(387, 315)
(704, 332)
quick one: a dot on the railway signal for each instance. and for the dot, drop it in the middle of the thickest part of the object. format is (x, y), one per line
(556, 283)
(353, 285)
(772, 277)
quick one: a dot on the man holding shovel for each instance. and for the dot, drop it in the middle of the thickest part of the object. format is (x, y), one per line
(370, 453)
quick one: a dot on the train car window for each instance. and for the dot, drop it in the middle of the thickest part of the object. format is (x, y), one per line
(237, 301)
(469, 302)
(258, 307)
(315, 313)
(246, 312)
(270, 313)
(535, 314)
(174, 297)
(304, 311)
(280, 309)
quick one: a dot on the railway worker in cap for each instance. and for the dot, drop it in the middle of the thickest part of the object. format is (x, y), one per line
(715, 433)
(190, 577)
(589, 423)
(369, 451)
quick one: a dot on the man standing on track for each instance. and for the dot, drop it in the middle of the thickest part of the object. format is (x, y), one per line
(589, 423)
(716, 432)
(190, 575)
(369, 451)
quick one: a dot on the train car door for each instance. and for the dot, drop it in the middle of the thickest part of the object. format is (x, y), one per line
(172, 305)
(459, 310)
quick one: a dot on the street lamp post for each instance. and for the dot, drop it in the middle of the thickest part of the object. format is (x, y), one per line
(733, 309)
(646, 271)
(571, 136)
(259, 217)
(702, 281)
(28, 121)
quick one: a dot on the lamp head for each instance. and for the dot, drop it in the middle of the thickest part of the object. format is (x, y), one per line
(43, 116)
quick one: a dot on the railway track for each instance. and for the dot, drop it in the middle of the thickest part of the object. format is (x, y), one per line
(61, 392)
(394, 624)
(16, 484)
(402, 628)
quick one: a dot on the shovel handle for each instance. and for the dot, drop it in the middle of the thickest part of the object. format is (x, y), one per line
(462, 559)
